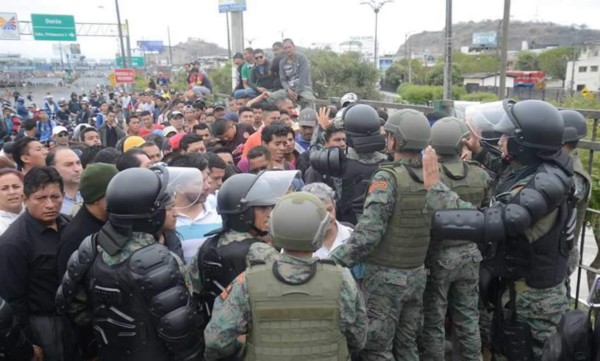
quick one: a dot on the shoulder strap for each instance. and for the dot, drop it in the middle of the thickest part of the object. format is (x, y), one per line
(412, 173)
(455, 177)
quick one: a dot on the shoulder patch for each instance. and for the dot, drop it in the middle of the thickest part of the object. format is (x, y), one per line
(239, 279)
(378, 185)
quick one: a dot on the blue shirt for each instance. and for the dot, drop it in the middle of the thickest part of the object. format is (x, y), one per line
(192, 231)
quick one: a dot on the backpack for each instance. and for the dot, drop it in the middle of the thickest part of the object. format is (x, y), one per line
(219, 266)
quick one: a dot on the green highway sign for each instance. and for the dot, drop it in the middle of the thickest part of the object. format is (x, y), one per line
(137, 62)
(53, 27)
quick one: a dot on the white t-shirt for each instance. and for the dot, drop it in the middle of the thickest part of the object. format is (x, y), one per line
(192, 231)
(342, 236)
(6, 219)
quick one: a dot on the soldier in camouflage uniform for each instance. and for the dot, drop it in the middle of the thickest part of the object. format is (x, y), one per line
(295, 308)
(454, 265)
(529, 227)
(392, 237)
(137, 312)
(576, 129)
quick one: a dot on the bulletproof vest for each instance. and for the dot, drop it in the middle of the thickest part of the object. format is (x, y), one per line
(542, 263)
(467, 181)
(405, 242)
(295, 321)
(355, 180)
(219, 266)
(582, 205)
(123, 325)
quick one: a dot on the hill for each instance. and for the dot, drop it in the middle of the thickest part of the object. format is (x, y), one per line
(432, 42)
(191, 50)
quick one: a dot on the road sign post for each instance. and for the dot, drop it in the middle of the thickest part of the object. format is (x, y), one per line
(124, 76)
(53, 27)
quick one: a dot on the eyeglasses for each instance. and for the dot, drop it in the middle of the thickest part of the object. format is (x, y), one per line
(63, 134)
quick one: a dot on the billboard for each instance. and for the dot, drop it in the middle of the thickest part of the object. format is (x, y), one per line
(485, 39)
(9, 27)
(151, 46)
(232, 5)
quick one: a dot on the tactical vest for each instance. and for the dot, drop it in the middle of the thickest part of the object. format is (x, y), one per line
(405, 242)
(295, 321)
(123, 326)
(355, 180)
(543, 263)
(466, 180)
(583, 204)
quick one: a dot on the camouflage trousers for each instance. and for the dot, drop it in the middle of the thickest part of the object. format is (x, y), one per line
(394, 300)
(541, 309)
(453, 285)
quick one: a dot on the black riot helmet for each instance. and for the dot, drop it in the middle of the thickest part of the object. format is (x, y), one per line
(240, 193)
(362, 127)
(136, 198)
(575, 125)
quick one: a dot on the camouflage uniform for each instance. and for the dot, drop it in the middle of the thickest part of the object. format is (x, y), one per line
(258, 251)
(453, 282)
(541, 309)
(393, 296)
(232, 311)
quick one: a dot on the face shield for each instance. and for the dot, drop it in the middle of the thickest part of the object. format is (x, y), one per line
(490, 121)
(184, 186)
(269, 187)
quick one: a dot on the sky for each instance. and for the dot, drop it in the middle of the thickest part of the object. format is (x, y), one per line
(308, 22)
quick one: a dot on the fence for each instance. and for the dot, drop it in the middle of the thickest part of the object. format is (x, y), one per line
(522, 93)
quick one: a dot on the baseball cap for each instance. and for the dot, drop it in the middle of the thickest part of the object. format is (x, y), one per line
(238, 55)
(59, 129)
(175, 141)
(132, 142)
(85, 100)
(175, 113)
(307, 118)
(168, 130)
(219, 105)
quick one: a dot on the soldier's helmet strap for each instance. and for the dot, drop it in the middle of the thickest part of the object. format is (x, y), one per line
(313, 272)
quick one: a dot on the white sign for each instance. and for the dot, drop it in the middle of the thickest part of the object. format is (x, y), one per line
(9, 27)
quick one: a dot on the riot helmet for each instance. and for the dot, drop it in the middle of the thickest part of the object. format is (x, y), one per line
(294, 233)
(241, 192)
(347, 99)
(447, 135)
(410, 129)
(361, 124)
(137, 198)
(575, 125)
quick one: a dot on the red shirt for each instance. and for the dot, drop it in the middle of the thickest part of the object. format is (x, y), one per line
(144, 132)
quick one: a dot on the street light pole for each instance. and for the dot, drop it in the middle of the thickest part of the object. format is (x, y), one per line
(376, 5)
(123, 59)
(504, 54)
(448, 52)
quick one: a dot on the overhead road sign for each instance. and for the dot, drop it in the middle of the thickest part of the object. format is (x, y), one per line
(137, 62)
(232, 5)
(151, 46)
(9, 27)
(53, 27)
(124, 76)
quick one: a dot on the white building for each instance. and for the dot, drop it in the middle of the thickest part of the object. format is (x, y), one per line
(585, 72)
(487, 79)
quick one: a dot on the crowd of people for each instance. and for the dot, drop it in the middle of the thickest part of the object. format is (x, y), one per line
(139, 227)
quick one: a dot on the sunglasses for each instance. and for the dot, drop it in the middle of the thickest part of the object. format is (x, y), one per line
(63, 134)
(259, 57)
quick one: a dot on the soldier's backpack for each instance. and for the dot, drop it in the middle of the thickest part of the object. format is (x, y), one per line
(218, 266)
(572, 340)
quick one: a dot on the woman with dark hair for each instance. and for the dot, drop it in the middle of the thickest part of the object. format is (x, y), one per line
(11, 196)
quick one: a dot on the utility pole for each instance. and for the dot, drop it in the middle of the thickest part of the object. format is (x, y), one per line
(120, 35)
(573, 70)
(228, 35)
(170, 50)
(504, 53)
(128, 38)
(376, 5)
(448, 52)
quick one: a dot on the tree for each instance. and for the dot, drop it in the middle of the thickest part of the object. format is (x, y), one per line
(221, 79)
(335, 74)
(481, 63)
(554, 62)
(436, 75)
(527, 60)
(396, 74)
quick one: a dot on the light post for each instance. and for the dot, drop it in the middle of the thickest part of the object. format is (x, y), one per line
(408, 55)
(376, 5)
(123, 58)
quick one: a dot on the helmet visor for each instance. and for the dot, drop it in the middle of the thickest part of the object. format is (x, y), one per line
(184, 186)
(489, 121)
(269, 187)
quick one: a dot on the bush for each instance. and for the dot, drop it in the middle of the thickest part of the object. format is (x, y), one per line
(422, 94)
(479, 97)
